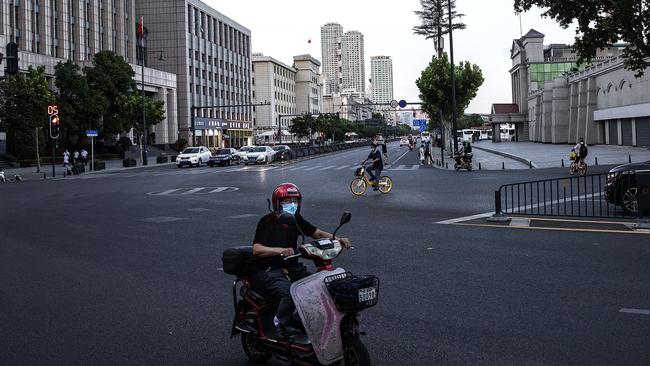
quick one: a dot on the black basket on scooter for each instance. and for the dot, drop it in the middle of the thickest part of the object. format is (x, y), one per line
(353, 293)
(358, 172)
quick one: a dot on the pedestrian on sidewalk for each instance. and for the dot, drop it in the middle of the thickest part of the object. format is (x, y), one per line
(66, 161)
(422, 154)
(2, 175)
(84, 156)
(75, 157)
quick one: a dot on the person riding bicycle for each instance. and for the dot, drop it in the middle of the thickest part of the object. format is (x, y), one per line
(581, 151)
(377, 165)
(273, 242)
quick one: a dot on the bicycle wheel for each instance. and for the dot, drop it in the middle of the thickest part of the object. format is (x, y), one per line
(385, 184)
(358, 186)
(582, 168)
(572, 168)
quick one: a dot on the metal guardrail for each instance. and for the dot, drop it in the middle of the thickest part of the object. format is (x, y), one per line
(607, 195)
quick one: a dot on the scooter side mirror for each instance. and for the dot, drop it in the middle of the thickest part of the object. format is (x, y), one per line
(345, 218)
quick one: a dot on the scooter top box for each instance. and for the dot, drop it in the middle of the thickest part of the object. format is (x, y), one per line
(239, 261)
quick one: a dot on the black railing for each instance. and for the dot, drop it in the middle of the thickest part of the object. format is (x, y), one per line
(608, 195)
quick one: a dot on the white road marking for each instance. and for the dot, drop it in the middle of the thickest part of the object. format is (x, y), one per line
(328, 167)
(243, 216)
(224, 189)
(162, 219)
(199, 209)
(466, 218)
(163, 193)
(341, 167)
(520, 222)
(193, 190)
(405, 167)
(400, 157)
(635, 311)
(313, 168)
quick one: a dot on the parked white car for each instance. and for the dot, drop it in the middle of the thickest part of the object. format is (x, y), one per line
(260, 155)
(243, 151)
(193, 156)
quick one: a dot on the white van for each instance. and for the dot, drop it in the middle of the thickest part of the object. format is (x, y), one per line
(425, 136)
(507, 133)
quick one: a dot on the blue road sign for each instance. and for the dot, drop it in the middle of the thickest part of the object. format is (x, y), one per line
(402, 103)
(91, 133)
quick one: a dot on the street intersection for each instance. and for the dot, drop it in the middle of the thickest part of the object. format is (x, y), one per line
(125, 267)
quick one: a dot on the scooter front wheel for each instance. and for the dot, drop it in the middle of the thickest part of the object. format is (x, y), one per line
(354, 353)
(252, 349)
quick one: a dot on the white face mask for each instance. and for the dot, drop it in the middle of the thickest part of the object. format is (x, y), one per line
(290, 208)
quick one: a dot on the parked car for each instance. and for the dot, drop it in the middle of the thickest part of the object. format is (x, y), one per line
(621, 188)
(193, 156)
(242, 153)
(281, 152)
(226, 156)
(259, 155)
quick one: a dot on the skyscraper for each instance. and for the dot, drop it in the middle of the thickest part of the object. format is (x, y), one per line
(381, 76)
(330, 35)
(353, 69)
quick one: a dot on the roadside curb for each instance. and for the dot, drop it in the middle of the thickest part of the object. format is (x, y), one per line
(507, 155)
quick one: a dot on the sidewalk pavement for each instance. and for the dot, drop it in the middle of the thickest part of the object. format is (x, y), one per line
(111, 166)
(482, 159)
(551, 156)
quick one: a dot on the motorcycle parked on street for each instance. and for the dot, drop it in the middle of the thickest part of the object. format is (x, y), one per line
(327, 302)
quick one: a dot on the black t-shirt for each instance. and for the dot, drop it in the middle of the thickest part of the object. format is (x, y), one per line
(376, 155)
(271, 233)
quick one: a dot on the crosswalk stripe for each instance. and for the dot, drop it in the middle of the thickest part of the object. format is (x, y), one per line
(298, 167)
(328, 167)
(163, 193)
(313, 168)
(341, 167)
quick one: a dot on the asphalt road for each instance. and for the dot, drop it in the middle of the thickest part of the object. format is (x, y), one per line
(124, 268)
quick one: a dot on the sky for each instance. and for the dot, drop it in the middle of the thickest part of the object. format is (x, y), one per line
(282, 28)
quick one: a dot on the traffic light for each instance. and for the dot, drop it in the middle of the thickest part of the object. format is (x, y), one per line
(55, 125)
(12, 58)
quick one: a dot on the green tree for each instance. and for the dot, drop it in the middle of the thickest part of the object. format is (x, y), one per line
(435, 86)
(81, 106)
(300, 125)
(434, 20)
(112, 78)
(131, 106)
(469, 120)
(24, 98)
(600, 23)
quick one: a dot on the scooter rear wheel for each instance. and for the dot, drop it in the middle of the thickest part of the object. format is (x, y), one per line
(252, 349)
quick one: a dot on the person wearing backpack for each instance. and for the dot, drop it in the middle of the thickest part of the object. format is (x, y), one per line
(581, 150)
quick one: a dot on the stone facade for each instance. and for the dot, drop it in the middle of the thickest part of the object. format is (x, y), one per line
(381, 76)
(51, 31)
(274, 82)
(309, 84)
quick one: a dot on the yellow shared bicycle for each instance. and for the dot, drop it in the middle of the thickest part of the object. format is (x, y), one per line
(361, 182)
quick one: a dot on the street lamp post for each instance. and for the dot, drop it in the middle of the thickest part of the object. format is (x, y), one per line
(453, 80)
(144, 120)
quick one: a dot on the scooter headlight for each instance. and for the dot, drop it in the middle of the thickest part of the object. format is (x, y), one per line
(329, 249)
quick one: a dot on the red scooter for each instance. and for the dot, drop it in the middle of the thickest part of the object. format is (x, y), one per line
(328, 303)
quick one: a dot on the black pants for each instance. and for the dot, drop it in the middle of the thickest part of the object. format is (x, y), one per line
(276, 285)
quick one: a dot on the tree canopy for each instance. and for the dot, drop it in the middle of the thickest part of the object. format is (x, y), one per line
(601, 23)
(24, 98)
(434, 20)
(435, 86)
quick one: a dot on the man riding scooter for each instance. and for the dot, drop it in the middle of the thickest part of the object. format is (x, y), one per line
(273, 242)
(464, 156)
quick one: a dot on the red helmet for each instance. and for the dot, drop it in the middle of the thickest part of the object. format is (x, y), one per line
(285, 190)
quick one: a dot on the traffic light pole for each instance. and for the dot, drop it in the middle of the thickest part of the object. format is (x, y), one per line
(53, 157)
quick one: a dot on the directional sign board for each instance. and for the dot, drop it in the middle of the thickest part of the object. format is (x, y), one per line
(423, 124)
(91, 133)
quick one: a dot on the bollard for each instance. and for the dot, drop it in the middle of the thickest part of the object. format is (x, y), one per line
(596, 159)
(629, 159)
(44, 176)
(562, 163)
(503, 165)
(530, 164)
(446, 165)
(479, 165)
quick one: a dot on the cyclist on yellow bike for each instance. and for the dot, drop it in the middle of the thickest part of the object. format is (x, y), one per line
(376, 165)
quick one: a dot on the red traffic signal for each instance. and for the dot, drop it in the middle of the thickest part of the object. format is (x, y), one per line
(55, 124)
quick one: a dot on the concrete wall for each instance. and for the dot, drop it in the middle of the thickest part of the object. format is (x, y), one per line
(560, 119)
